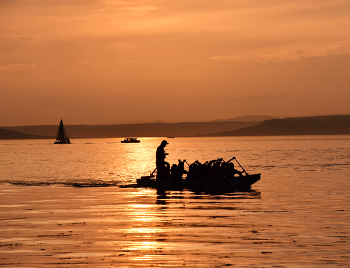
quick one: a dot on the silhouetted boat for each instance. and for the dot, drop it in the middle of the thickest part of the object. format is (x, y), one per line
(235, 180)
(230, 183)
(130, 140)
(62, 137)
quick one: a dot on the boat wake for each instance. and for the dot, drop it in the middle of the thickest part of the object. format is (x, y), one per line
(94, 183)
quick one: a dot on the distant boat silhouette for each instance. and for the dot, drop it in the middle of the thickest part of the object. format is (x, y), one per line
(62, 137)
(130, 140)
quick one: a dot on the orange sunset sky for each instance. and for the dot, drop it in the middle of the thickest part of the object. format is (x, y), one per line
(108, 61)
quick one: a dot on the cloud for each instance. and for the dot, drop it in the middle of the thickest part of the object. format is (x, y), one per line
(117, 63)
(300, 52)
(229, 57)
(283, 55)
(139, 10)
(17, 67)
(12, 41)
(286, 55)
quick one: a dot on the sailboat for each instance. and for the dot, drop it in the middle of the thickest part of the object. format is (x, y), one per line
(62, 137)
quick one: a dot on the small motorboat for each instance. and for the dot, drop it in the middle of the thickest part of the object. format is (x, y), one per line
(231, 180)
(130, 140)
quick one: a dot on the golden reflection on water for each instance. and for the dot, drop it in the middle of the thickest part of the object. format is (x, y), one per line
(145, 227)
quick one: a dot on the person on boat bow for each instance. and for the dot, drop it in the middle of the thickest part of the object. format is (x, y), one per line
(163, 167)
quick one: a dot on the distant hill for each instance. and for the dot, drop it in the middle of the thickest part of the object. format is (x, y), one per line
(316, 125)
(247, 118)
(186, 129)
(14, 135)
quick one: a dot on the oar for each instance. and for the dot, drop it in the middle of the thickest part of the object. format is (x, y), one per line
(150, 175)
(231, 159)
(153, 172)
(241, 167)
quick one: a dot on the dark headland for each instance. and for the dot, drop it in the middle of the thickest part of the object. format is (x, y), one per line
(15, 135)
(315, 125)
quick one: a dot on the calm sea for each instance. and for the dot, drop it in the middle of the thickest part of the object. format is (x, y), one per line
(297, 215)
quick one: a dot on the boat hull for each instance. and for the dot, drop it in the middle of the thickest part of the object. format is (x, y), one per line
(224, 183)
(130, 140)
(62, 142)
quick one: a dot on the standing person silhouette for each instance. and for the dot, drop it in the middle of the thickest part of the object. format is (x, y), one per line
(163, 167)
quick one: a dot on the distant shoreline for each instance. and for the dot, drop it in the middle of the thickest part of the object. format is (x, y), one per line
(131, 130)
(315, 125)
